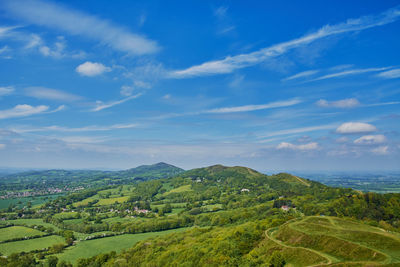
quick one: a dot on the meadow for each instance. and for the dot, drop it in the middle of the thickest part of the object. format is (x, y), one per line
(89, 248)
(14, 232)
(29, 245)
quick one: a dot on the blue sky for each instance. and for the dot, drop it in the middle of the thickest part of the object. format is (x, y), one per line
(273, 85)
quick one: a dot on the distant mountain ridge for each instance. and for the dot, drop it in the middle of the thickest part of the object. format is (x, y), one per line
(91, 178)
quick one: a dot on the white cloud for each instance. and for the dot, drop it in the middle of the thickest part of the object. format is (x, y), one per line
(92, 69)
(51, 94)
(381, 150)
(220, 12)
(342, 139)
(344, 103)
(355, 127)
(101, 105)
(34, 40)
(2, 146)
(248, 108)
(4, 49)
(383, 104)
(22, 111)
(78, 23)
(309, 146)
(370, 139)
(301, 75)
(232, 63)
(5, 30)
(91, 128)
(390, 74)
(348, 73)
(127, 90)
(6, 90)
(298, 130)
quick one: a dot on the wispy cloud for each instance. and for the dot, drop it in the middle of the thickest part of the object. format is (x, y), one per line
(92, 69)
(232, 63)
(370, 139)
(343, 103)
(78, 23)
(6, 90)
(381, 150)
(101, 105)
(248, 108)
(348, 73)
(383, 104)
(303, 147)
(302, 74)
(22, 111)
(91, 128)
(298, 130)
(390, 74)
(51, 94)
(236, 109)
(5, 30)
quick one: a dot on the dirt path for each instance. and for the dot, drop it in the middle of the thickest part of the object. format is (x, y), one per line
(329, 259)
(302, 181)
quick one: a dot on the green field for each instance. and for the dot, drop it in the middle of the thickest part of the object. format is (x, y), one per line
(30, 222)
(332, 240)
(66, 215)
(21, 202)
(29, 245)
(17, 232)
(85, 249)
(183, 188)
(109, 201)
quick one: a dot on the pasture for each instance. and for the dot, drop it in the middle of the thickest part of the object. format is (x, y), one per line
(13, 232)
(89, 248)
(29, 245)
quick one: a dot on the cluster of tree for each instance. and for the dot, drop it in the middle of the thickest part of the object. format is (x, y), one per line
(214, 246)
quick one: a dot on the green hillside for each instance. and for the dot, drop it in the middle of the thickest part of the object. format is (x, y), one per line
(217, 216)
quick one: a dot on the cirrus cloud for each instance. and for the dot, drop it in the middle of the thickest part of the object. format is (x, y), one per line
(74, 22)
(390, 74)
(344, 103)
(51, 94)
(22, 111)
(303, 147)
(370, 139)
(6, 90)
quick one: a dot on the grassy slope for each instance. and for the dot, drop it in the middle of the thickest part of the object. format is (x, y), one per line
(342, 240)
(29, 245)
(17, 232)
(31, 222)
(91, 248)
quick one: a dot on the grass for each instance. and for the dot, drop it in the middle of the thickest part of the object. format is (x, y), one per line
(36, 201)
(183, 188)
(66, 215)
(90, 248)
(342, 239)
(293, 256)
(85, 201)
(122, 220)
(29, 245)
(30, 222)
(109, 201)
(17, 232)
